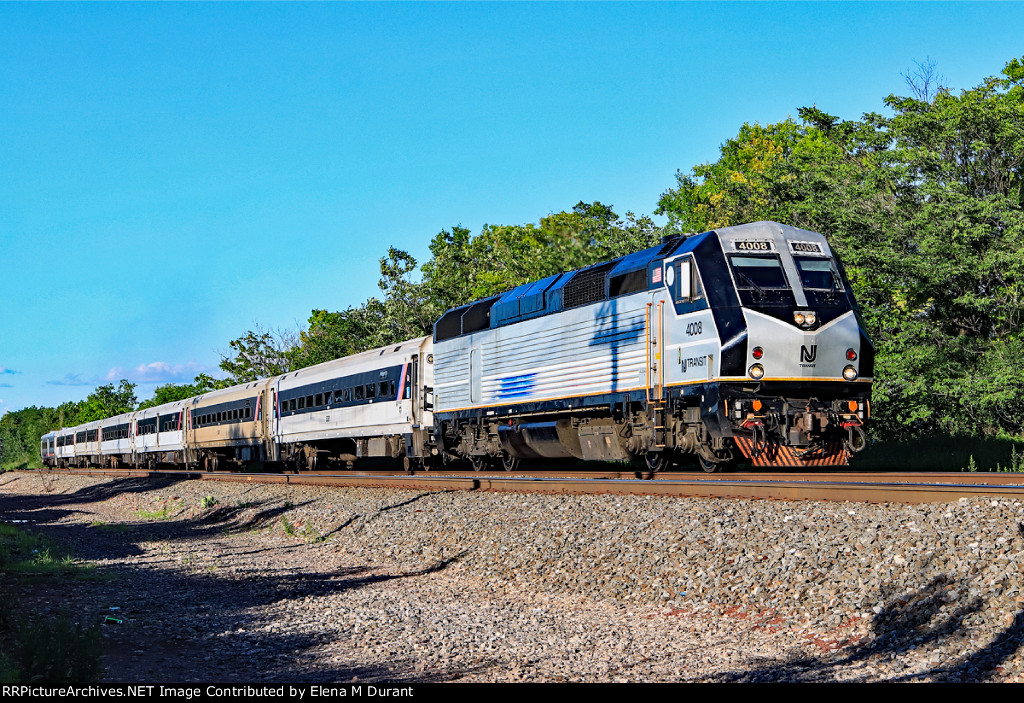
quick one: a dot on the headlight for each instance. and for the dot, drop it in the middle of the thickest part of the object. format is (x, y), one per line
(756, 371)
(805, 318)
(850, 373)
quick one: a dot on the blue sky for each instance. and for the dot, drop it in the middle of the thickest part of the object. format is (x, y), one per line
(173, 174)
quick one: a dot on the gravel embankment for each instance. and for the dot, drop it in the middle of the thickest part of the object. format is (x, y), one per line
(280, 583)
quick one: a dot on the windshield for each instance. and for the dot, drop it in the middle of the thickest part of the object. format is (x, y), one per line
(758, 272)
(818, 274)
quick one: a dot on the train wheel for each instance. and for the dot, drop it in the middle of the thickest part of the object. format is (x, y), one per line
(655, 462)
(709, 467)
(478, 462)
(509, 462)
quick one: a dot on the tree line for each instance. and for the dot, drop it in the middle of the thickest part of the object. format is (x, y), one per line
(925, 206)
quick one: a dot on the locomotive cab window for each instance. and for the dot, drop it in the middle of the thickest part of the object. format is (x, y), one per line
(818, 274)
(687, 282)
(758, 272)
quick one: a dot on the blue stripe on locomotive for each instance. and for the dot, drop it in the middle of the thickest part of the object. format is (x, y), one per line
(515, 386)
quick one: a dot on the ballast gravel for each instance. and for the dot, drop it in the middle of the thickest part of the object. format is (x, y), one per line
(264, 582)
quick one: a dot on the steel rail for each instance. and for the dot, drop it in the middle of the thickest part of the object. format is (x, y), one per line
(845, 486)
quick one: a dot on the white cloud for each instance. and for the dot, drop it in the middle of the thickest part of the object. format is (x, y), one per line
(157, 372)
(4, 369)
(72, 379)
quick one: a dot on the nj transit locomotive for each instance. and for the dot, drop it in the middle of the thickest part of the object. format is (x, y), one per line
(739, 342)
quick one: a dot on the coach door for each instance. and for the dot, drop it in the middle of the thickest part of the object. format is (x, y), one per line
(267, 421)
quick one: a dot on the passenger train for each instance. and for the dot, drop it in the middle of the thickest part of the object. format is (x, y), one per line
(741, 343)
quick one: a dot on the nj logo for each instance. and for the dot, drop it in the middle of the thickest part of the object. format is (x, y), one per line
(807, 356)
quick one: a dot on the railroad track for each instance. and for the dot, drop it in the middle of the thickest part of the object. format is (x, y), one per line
(839, 486)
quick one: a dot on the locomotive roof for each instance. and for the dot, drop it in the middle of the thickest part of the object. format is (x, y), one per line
(548, 295)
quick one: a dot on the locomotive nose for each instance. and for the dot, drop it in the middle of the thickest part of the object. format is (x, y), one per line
(779, 349)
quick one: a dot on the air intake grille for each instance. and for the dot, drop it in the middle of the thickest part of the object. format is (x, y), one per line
(585, 287)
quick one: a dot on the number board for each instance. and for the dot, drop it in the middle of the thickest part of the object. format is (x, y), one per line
(755, 245)
(806, 247)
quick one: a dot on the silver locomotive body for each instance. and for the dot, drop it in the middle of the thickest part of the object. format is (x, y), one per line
(742, 339)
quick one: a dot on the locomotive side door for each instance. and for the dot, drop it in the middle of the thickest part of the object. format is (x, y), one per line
(655, 327)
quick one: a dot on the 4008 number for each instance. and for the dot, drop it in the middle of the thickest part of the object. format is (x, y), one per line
(693, 329)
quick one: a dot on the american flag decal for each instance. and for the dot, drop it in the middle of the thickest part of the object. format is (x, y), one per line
(656, 276)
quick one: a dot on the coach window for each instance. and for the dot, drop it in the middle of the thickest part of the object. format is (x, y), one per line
(319, 399)
(371, 390)
(302, 402)
(383, 389)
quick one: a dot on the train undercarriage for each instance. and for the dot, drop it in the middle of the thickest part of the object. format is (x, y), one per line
(719, 428)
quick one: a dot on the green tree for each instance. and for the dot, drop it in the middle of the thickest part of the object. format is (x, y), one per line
(107, 401)
(925, 209)
(20, 432)
(258, 354)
